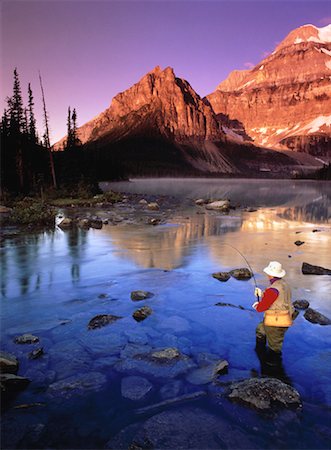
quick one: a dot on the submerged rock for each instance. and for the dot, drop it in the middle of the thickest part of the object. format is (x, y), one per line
(35, 354)
(8, 363)
(221, 276)
(142, 313)
(263, 393)
(241, 274)
(140, 295)
(26, 339)
(102, 320)
(301, 304)
(12, 383)
(135, 388)
(77, 385)
(315, 317)
(309, 269)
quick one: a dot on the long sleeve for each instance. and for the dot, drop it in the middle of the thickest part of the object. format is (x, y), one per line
(269, 296)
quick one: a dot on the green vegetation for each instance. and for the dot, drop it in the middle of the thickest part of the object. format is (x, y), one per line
(30, 211)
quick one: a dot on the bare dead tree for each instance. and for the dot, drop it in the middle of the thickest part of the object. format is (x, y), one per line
(47, 140)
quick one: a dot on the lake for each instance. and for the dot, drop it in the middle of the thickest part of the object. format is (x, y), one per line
(54, 283)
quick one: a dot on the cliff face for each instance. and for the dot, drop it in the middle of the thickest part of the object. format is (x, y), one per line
(285, 101)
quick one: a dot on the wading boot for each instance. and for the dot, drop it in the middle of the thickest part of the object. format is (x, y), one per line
(260, 343)
(273, 359)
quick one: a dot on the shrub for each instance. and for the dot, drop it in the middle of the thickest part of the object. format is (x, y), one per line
(31, 212)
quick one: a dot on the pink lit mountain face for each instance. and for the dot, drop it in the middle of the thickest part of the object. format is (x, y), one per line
(285, 101)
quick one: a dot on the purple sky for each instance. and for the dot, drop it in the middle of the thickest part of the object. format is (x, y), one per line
(88, 51)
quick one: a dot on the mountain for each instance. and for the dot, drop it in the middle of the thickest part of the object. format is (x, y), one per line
(161, 126)
(284, 102)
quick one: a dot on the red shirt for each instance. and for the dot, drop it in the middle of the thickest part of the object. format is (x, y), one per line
(269, 296)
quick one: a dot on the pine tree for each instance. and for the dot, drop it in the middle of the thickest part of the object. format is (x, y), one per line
(5, 123)
(32, 121)
(75, 139)
(69, 130)
(15, 107)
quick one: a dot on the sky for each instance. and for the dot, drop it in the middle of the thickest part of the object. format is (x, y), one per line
(89, 51)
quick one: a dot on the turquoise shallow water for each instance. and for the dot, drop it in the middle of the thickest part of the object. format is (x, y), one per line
(52, 283)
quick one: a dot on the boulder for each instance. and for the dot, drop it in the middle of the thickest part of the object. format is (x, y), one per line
(309, 269)
(200, 202)
(153, 206)
(315, 317)
(65, 223)
(220, 205)
(140, 295)
(35, 354)
(102, 320)
(301, 304)
(221, 276)
(26, 339)
(298, 243)
(264, 393)
(142, 313)
(8, 363)
(143, 202)
(135, 388)
(241, 274)
(12, 383)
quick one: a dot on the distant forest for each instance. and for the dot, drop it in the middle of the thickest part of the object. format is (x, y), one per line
(28, 163)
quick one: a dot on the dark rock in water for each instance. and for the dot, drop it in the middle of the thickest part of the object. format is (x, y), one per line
(301, 304)
(26, 339)
(35, 354)
(8, 363)
(103, 296)
(96, 223)
(206, 374)
(241, 274)
(142, 313)
(263, 393)
(77, 385)
(102, 320)
(315, 317)
(153, 221)
(221, 367)
(84, 223)
(183, 428)
(140, 295)
(229, 304)
(298, 243)
(316, 230)
(250, 209)
(221, 276)
(135, 388)
(12, 383)
(309, 269)
(65, 223)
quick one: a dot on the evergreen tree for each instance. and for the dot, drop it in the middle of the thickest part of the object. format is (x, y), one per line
(75, 139)
(15, 107)
(69, 130)
(32, 121)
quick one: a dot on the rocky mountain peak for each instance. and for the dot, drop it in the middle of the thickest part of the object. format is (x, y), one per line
(307, 33)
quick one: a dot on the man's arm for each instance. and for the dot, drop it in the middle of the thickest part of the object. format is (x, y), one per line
(269, 296)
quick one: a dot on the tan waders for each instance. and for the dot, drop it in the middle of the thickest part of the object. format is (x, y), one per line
(274, 335)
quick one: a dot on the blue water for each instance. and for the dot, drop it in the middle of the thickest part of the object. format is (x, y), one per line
(51, 287)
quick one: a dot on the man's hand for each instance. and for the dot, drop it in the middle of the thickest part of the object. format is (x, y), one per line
(258, 292)
(254, 305)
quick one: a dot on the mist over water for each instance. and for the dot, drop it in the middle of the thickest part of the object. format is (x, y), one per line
(53, 283)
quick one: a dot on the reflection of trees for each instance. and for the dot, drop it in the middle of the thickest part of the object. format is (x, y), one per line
(312, 212)
(167, 247)
(76, 239)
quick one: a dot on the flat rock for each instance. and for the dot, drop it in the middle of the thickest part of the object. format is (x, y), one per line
(241, 274)
(26, 339)
(135, 388)
(315, 317)
(12, 383)
(309, 269)
(220, 205)
(8, 363)
(102, 320)
(166, 355)
(77, 385)
(140, 295)
(142, 313)
(264, 393)
(301, 304)
(221, 276)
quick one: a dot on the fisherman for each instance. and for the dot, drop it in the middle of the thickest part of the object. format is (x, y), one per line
(276, 304)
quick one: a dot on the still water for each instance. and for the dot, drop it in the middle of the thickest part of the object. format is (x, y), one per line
(53, 283)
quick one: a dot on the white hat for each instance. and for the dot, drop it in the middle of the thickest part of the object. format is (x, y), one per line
(275, 269)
